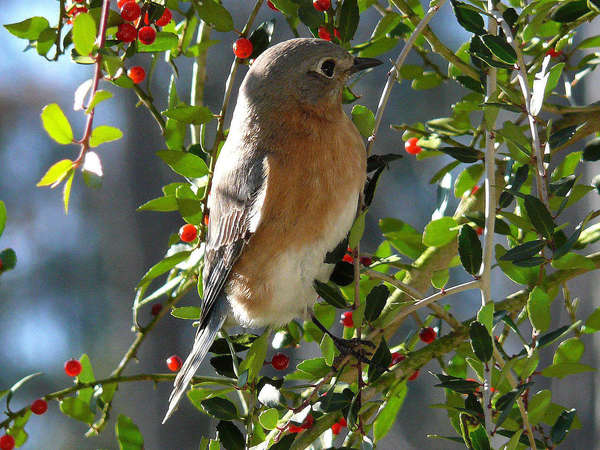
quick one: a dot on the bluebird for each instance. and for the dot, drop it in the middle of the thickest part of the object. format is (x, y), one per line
(285, 192)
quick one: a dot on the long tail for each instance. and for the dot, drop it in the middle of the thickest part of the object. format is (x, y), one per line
(204, 339)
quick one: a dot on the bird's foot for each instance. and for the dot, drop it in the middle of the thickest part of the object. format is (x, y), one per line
(358, 348)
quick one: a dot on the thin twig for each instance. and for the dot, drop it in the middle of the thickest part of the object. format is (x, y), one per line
(199, 77)
(147, 102)
(408, 290)
(535, 138)
(394, 72)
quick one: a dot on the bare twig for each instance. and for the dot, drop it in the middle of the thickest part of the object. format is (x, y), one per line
(199, 78)
(394, 72)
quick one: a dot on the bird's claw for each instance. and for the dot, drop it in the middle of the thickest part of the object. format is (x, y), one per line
(354, 347)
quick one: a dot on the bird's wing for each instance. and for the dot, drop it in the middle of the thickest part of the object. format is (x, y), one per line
(236, 200)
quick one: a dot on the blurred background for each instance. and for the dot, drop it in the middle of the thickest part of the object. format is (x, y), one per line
(72, 289)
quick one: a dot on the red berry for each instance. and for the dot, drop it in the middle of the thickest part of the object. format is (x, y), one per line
(242, 48)
(137, 74)
(78, 10)
(146, 35)
(347, 319)
(79, 1)
(174, 363)
(322, 5)
(414, 376)
(39, 406)
(308, 422)
(205, 219)
(324, 33)
(72, 367)
(411, 146)
(475, 189)
(336, 428)
(130, 11)
(427, 335)
(479, 231)
(126, 33)
(366, 261)
(343, 422)
(120, 3)
(553, 53)
(271, 5)
(337, 34)
(165, 18)
(188, 232)
(280, 361)
(156, 309)
(396, 358)
(295, 429)
(7, 442)
(348, 258)
(0, 263)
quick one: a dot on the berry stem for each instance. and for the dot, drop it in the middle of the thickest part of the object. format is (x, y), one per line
(100, 40)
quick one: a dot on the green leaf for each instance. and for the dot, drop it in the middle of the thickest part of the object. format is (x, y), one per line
(128, 434)
(561, 426)
(592, 324)
(163, 42)
(463, 154)
(86, 376)
(186, 312)
(485, 315)
(538, 309)
(567, 166)
(314, 368)
(467, 18)
(402, 236)
(56, 173)
(77, 409)
(99, 97)
(220, 408)
(481, 341)
(348, 22)
(440, 232)
(479, 439)
(428, 80)
(380, 361)
(457, 384)
(539, 216)
(469, 249)
(56, 124)
(467, 179)
(506, 402)
(387, 415)
(570, 11)
(570, 350)
(196, 115)
(310, 17)
(364, 119)
(261, 38)
(162, 204)
(288, 7)
(29, 28)
(8, 258)
(104, 133)
(566, 368)
(67, 190)
(591, 151)
(562, 136)
(376, 300)
(537, 406)
(268, 419)
(357, 230)
(2, 217)
(328, 349)
(163, 266)
(255, 357)
(215, 15)
(183, 163)
(45, 41)
(500, 48)
(84, 34)
(197, 395)
(330, 294)
(523, 251)
(573, 261)
(229, 436)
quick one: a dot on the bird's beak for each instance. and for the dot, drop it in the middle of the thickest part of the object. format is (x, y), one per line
(364, 63)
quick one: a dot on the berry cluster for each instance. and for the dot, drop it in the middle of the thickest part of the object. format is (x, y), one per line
(364, 260)
(76, 9)
(128, 32)
(308, 422)
(324, 32)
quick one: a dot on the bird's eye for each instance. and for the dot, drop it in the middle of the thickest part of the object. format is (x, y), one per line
(327, 67)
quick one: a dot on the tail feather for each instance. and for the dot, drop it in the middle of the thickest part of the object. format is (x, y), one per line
(204, 339)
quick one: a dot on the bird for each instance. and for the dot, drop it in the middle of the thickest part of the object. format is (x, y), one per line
(284, 195)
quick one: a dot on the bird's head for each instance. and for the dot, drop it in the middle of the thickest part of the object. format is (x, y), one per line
(309, 73)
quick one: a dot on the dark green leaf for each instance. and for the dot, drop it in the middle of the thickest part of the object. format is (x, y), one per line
(500, 48)
(220, 408)
(457, 384)
(330, 294)
(128, 434)
(162, 204)
(561, 137)
(223, 364)
(380, 361)
(506, 402)
(163, 266)
(348, 22)
(8, 258)
(376, 300)
(562, 187)
(467, 18)
(230, 436)
(463, 154)
(256, 356)
(261, 38)
(215, 15)
(334, 401)
(591, 151)
(523, 251)
(310, 17)
(481, 341)
(561, 426)
(184, 163)
(241, 342)
(530, 262)
(469, 249)
(570, 11)
(470, 83)
(539, 216)
(375, 162)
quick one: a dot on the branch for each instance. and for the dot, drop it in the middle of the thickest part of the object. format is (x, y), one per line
(199, 78)
(394, 73)
(147, 102)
